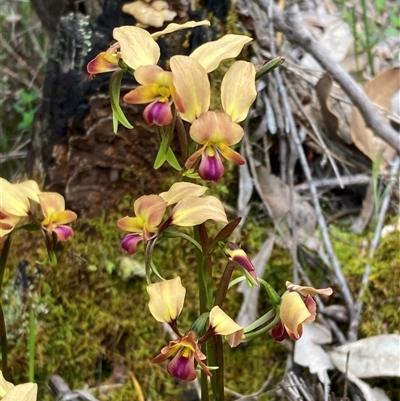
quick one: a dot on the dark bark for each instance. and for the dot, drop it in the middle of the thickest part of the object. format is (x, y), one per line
(74, 150)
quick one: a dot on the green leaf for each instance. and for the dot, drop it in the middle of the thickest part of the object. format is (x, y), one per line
(162, 153)
(118, 114)
(270, 66)
(172, 160)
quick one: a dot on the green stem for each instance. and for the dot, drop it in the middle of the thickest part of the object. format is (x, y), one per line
(31, 344)
(268, 327)
(3, 331)
(215, 357)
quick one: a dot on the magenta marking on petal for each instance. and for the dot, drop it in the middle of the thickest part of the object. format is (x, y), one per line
(158, 113)
(63, 232)
(182, 367)
(130, 241)
(211, 167)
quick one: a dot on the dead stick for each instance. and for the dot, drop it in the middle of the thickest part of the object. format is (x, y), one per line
(291, 24)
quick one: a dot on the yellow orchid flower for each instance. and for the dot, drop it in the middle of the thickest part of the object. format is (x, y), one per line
(215, 131)
(166, 303)
(187, 352)
(14, 203)
(295, 310)
(55, 215)
(149, 211)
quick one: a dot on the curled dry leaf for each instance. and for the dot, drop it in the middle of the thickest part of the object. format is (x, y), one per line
(309, 353)
(381, 90)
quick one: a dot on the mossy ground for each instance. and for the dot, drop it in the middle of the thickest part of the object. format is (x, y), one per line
(91, 318)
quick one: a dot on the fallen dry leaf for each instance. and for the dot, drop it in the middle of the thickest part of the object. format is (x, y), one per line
(380, 90)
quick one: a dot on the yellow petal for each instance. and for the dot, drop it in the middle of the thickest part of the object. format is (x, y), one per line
(12, 200)
(22, 392)
(142, 94)
(137, 47)
(192, 211)
(308, 290)
(7, 224)
(293, 313)
(192, 86)
(211, 54)
(30, 189)
(103, 63)
(151, 209)
(181, 190)
(238, 90)
(177, 27)
(166, 299)
(51, 203)
(223, 325)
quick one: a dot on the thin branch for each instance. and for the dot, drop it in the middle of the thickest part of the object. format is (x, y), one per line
(296, 143)
(291, 24)
(358, 179)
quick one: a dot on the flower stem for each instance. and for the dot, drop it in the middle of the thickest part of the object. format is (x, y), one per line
(3, 331)
(31, 344)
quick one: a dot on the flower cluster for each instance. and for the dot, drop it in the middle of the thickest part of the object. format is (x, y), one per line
(16, 203)
(187, 86)
(178, 99)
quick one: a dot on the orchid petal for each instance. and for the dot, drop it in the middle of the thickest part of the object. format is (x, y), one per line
(192, 159)
(180, 190)
(211, 54)
(166, 299)
(13, 201)
(216, 127)
(7, 224)
(29, 188)
(158, 113)
(147, 74)
(192, 86)
(231, 155)
(137, 46)
(279, 332)
(294, 313)
(130, 242)
(151, 209)
(103, 63)
(51, 203)
(63, 232)
(182, 365)
(238, 256)
(238, 90)
(211, 167)
(308, 290)
(177, 27)
(63, 217)
(22, 392)
(223, 325)
(192, 211)
(142, 94)
(131, 224)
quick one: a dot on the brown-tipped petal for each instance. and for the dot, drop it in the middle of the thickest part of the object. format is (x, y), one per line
(308, 290)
